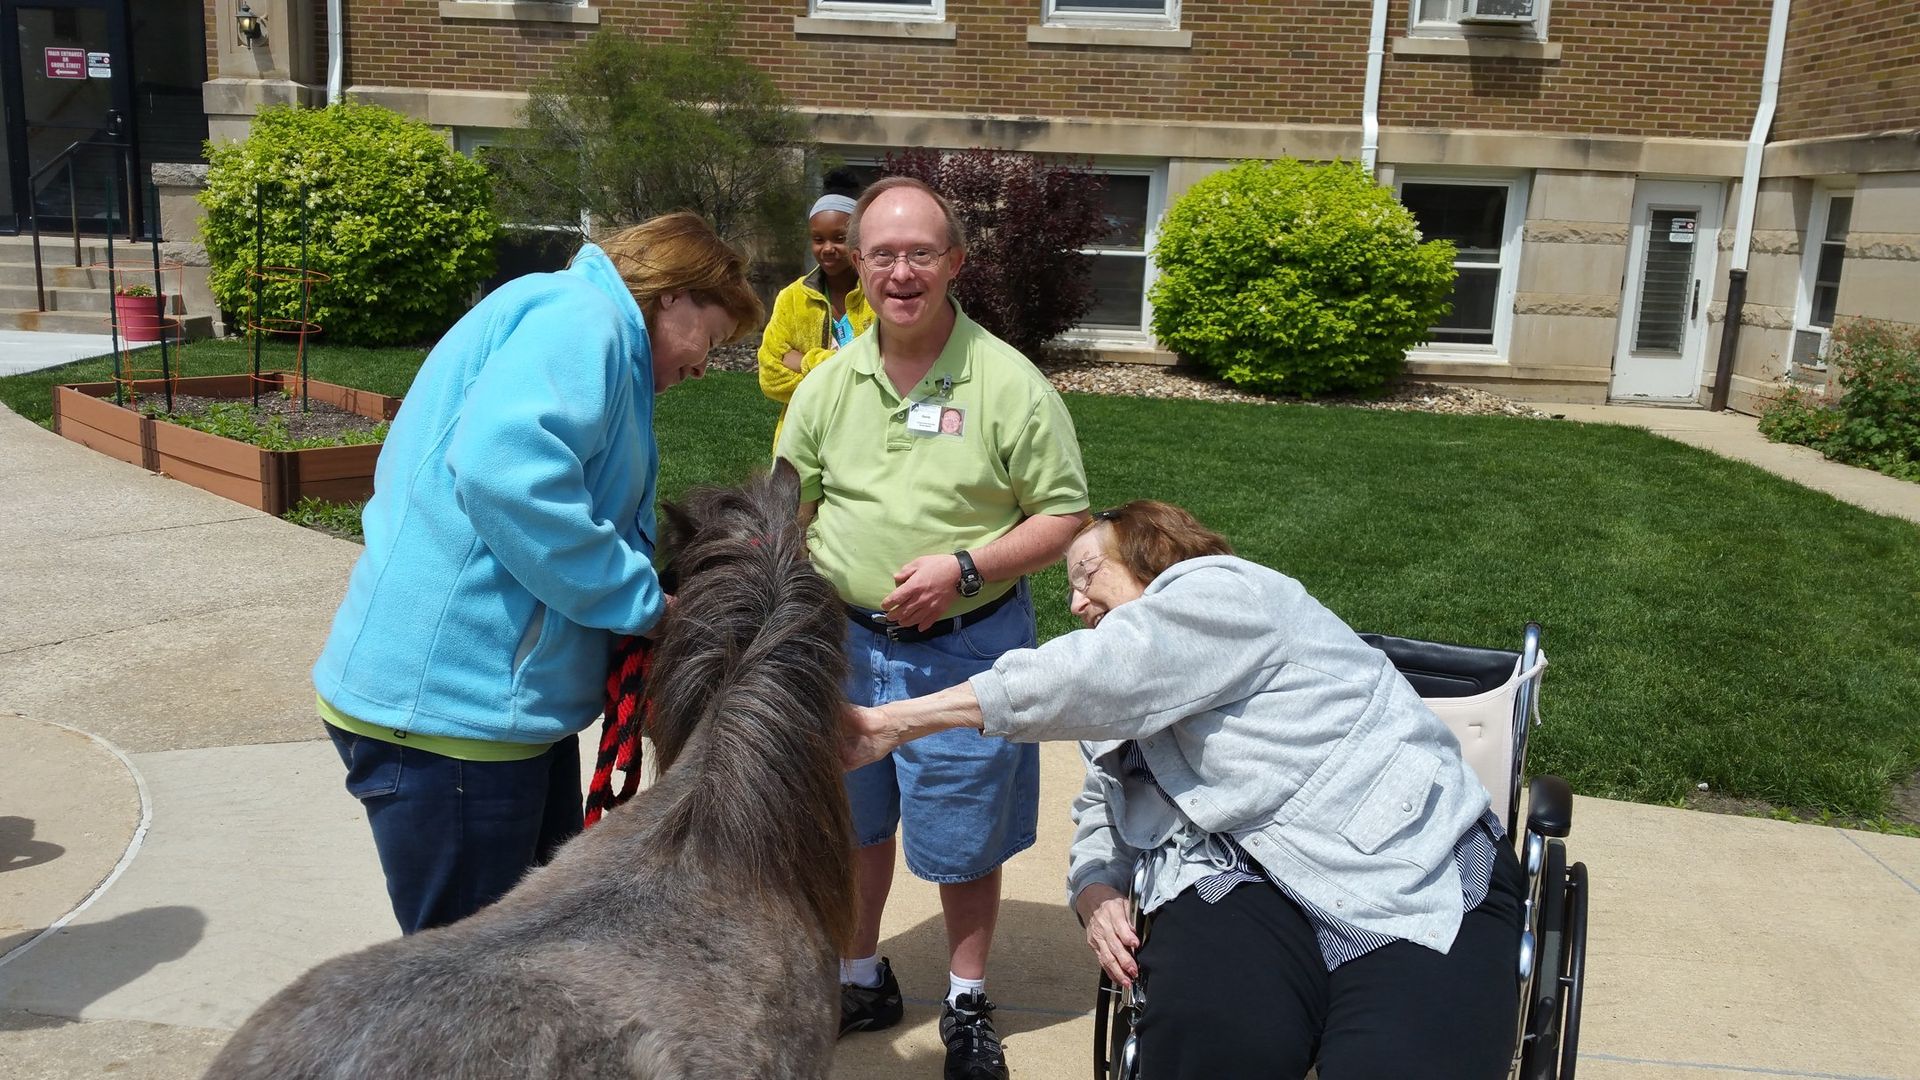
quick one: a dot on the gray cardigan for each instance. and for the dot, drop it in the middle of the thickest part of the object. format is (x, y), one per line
(1263, 717)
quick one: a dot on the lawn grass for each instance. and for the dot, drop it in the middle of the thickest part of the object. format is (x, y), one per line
(1707, 622)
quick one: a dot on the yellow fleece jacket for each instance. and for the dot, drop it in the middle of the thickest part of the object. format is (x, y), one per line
(799, 323)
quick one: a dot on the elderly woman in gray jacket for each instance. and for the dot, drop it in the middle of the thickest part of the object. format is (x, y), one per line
(1328, 884)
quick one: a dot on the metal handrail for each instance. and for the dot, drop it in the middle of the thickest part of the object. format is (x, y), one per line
(65, 157)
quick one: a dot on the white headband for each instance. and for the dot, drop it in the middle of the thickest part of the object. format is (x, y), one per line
(831, 202)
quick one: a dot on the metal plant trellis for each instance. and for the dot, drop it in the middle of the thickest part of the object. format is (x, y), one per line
(259, 326)
(170, 330)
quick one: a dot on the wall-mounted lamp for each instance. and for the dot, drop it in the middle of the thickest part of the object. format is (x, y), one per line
(252, 28)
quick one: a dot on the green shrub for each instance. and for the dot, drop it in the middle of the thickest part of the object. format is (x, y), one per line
(1294, 278)
(1875, 420)
(401, 222)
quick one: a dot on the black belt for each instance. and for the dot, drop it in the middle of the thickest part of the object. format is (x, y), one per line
(878, 622)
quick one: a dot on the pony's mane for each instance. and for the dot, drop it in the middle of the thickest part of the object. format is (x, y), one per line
(747, 700)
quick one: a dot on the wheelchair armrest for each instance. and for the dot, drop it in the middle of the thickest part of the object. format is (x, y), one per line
(1549, 807)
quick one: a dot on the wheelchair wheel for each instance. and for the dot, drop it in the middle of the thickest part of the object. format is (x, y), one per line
(1545, 1002)
(1576, 966)
(1116, 1048)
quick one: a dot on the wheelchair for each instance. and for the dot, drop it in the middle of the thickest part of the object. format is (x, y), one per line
(1490, 700)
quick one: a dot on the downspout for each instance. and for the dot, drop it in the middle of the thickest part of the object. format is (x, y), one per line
(1749, 197)
(1370, 104)
(336, 50)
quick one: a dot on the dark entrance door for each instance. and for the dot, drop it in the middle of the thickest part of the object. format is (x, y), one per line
(67, 84)
(79, 71)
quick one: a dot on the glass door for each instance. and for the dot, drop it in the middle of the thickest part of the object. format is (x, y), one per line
(67, 72)
(1670, 274)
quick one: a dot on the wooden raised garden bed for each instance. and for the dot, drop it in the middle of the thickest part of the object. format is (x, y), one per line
(270, 480)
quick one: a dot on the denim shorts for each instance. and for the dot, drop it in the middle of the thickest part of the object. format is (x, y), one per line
(967, 802)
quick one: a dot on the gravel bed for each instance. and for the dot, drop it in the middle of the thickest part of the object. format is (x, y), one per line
(1184, 384)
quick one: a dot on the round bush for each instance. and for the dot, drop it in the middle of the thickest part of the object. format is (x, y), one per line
(401, 221)
(1299, 279)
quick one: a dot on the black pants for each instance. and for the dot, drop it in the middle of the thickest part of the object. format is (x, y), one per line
(455, 835)
(1239, 989)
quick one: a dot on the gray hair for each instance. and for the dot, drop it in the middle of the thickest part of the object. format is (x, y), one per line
(956, 232)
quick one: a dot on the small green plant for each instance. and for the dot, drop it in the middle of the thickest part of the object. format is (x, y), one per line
(133, 290)
(240, 422)
(1875, 420)
(341, 519)
(401, 222)
(1298, 279)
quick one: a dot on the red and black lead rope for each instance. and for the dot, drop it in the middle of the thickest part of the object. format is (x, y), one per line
(620, 733)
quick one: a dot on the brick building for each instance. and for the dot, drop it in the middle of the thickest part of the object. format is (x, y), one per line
(1587, 156)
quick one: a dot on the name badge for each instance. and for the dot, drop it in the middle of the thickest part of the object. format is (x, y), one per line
(924, 419)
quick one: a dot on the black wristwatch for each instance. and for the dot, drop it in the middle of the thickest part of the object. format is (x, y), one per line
(970, 581)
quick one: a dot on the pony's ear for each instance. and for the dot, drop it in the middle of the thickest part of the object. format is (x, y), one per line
(786, 484)
(679, 526)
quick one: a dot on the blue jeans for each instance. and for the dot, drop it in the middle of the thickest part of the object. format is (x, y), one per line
(455, 835)
(968, 802)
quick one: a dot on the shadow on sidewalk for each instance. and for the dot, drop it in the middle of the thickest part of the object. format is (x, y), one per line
(85, 962)
(18, 848)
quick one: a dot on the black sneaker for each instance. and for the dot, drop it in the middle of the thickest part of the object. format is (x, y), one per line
(973, 1047)
(871, 1008)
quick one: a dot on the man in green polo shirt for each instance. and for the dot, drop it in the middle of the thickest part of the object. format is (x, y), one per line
(938, 468)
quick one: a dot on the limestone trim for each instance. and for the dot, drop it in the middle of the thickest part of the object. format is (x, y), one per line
(1894, 247)
(817, 26)
(241, 97)
(1590, 305)
(1172, 139)
(1773, 242)
(1842, 155)
(1547, 231)
(1110, 36)
(1424, 365)
(479, 10)
(1504, 48)
(448, 108)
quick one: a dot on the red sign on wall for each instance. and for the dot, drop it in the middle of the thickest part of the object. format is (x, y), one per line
(66, 63)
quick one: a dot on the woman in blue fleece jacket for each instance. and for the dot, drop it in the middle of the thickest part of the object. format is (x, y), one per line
(509, 538)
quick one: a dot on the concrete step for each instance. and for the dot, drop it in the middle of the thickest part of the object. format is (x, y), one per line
(58, 249)
(24, 296)
(56, 276)
(83, 322)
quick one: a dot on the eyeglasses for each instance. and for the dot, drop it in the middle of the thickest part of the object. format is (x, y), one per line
(1110, 514)
(918, 258)
(1077, 580)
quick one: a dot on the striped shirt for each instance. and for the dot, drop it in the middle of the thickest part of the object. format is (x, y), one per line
(1340, 941)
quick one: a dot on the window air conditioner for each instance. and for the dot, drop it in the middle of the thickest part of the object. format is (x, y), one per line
(1512, 12)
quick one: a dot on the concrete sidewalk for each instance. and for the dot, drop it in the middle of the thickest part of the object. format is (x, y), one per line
(156, 735)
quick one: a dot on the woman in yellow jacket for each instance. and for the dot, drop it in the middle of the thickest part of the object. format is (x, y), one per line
(816, 315)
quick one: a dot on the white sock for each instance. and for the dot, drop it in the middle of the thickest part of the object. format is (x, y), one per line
(957, 986)
(862, 972)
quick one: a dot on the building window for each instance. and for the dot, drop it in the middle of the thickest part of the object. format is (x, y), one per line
(922, 10)
(1122, 260)
(1820, 266)
(1483, 219)
(1491, 18)
(1147, 14)
(524, 247)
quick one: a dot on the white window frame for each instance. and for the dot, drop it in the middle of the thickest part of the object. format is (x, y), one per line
(1518, 186)
(926, 11)
(1818, 215)
(1167, 18)
(1156, 173)
(471, 140)
(1452, 27)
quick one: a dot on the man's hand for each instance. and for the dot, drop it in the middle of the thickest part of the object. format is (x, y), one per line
(1109, 932)
(866, 736)
(794, 360)
(926, 586)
